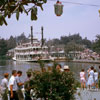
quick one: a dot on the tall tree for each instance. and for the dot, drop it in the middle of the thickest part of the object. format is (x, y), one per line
(87, 42)
(72, 46)
(11, 43)
(22, 38)
(71, 38)
(96, 44)
(3, 47)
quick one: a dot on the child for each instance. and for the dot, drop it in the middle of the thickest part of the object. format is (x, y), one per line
(96, 79)
(82, 79)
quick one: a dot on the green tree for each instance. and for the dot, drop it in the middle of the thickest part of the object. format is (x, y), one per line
(9, 7)
(75, 38)
(3, 47)
(11, 42)
(96, 44)
(72, 46)
(22, 38)
(87, 42)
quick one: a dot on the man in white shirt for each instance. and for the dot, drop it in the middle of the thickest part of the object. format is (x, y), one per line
(4, 86)
(12, 86)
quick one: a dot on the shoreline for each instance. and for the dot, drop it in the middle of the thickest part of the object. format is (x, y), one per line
(64, 60)
(78, 61)
(86, 61)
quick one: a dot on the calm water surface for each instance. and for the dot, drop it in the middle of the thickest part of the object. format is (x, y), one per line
(9, 65)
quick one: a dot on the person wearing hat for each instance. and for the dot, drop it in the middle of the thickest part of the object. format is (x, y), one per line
(66, 68)
(4, 86)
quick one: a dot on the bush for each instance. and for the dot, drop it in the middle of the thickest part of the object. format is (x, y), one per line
(5, 57)
(53, 85)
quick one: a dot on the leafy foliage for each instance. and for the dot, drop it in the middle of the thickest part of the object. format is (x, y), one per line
(96, 44)
(11, 43)
(75, 38)
(53, 85)
(9, 7)
(3, 47)
(87, 42)
(71, 46)
(21, 38)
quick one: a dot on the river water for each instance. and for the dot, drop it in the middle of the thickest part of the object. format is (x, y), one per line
(9, 65)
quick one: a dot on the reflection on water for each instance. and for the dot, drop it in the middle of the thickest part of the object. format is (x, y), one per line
(9, 65)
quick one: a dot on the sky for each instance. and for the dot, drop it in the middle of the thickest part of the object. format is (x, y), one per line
(75, 19)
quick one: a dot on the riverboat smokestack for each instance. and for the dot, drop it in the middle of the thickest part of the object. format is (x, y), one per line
(31, 35)
(42, 39)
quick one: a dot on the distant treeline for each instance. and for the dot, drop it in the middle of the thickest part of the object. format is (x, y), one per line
(75, 42)
(76, 38)
(7, 44)
(70, 43)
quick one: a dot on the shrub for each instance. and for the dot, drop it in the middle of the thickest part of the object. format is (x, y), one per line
(53, 85)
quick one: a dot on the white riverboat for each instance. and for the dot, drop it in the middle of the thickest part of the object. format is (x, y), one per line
(33, 51)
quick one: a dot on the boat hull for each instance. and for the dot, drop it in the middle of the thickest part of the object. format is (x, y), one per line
(32, 60)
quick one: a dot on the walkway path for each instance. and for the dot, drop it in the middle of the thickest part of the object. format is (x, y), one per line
(87, 95)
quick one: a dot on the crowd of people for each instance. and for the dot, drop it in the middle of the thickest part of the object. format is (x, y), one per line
(14, 85)
(92, 81)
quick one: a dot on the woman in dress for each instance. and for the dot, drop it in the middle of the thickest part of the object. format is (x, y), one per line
(91, 78)
(82, 79)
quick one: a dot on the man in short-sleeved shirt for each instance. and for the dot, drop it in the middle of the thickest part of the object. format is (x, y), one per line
(20, 85)
(12, 86)
(4, 86)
